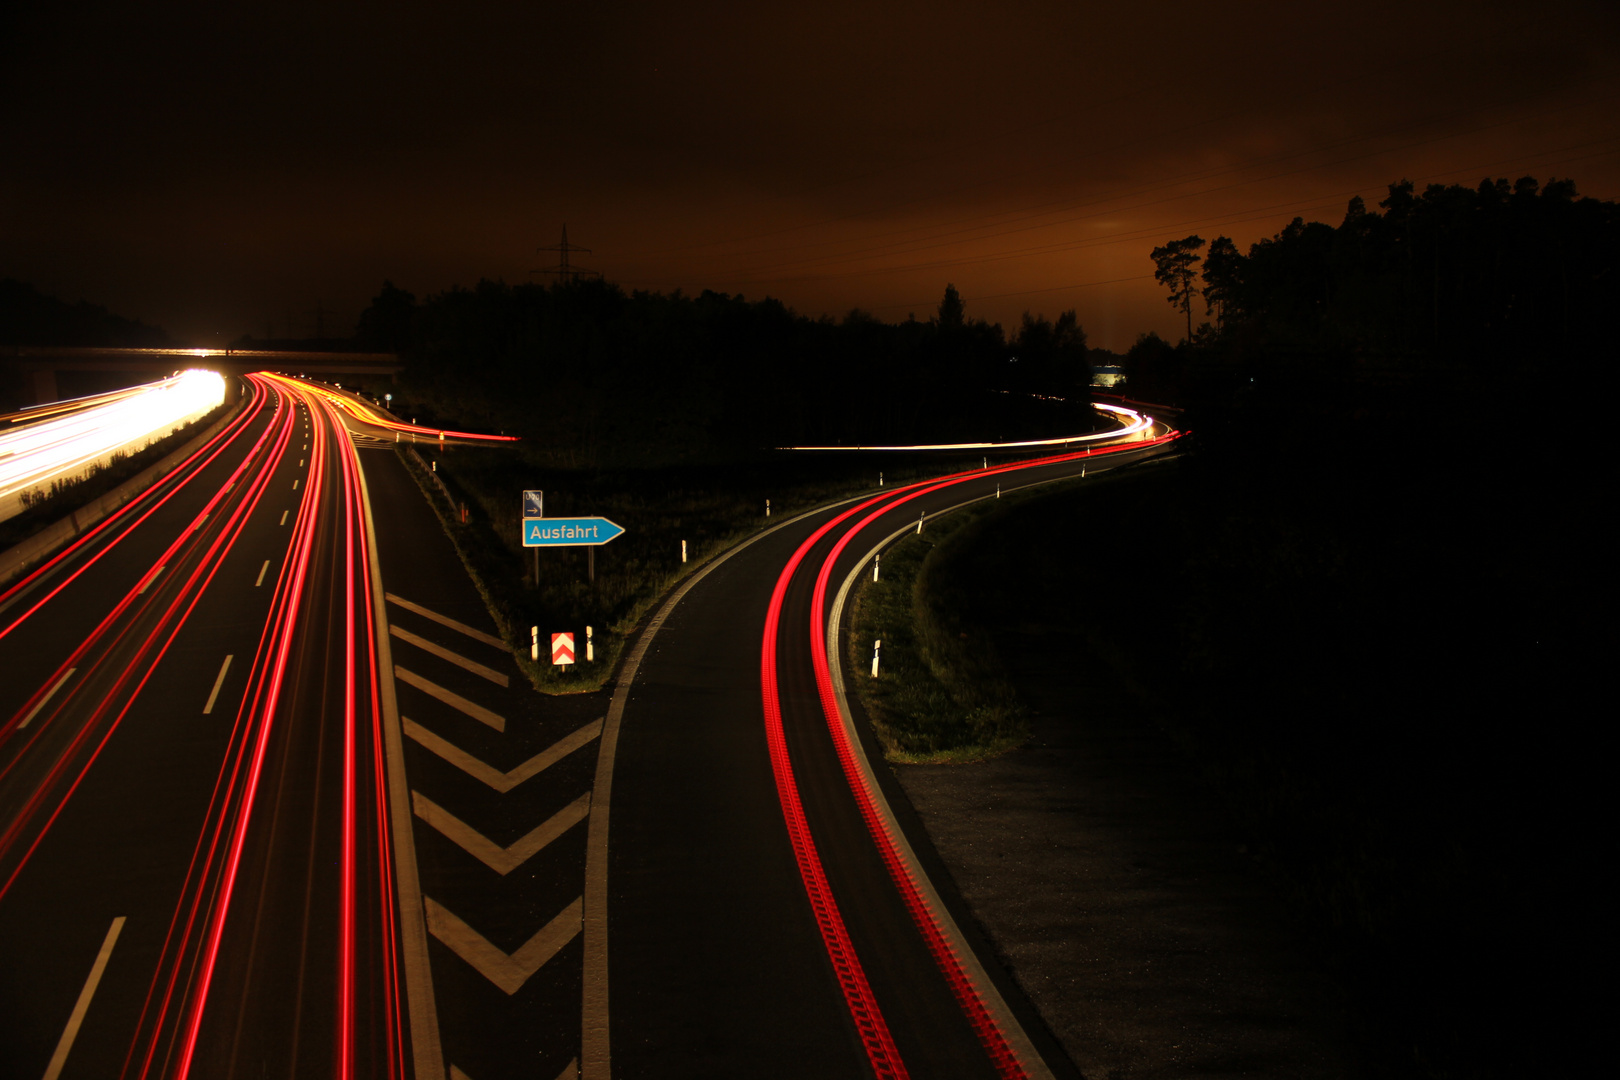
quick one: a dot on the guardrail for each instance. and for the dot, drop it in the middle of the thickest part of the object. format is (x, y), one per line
(42, 544)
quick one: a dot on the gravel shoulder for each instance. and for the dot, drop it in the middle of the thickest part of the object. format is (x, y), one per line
(1151, 943)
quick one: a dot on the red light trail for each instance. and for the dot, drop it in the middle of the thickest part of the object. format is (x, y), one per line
(863, 1006)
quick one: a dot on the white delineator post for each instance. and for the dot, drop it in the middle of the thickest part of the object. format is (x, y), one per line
(590, 646)
(767, 508)
(876, 559)
(876, 645)
(534, 643)
(683, 551)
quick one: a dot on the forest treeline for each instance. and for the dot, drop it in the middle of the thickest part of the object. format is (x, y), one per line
(1503, 280)
(590, 374)
(30, 317)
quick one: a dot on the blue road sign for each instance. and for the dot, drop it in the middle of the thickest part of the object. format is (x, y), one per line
(568, 532)
(534, 504)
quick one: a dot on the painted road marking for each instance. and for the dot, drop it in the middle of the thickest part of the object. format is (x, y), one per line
(46, 699)
(502, 782)
(223, 668)
(507, 972)
(444, 620)
(71, 1032)
(426, 1049)
(501, 860)
(570, 1072)
(284, 514)
(151, 578)
(262, 571)
(445, 654)
(295, 484)
(595, 1049)
(450, 698)
(300, 463)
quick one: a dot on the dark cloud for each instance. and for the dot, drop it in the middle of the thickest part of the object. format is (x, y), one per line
(213, 167)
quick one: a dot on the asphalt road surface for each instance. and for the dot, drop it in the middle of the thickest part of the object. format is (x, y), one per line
(275, 800)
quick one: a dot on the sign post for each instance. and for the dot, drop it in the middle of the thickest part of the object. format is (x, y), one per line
(589, 533)
(534, 505)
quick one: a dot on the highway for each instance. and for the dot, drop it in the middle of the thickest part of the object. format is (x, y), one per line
(276, 801)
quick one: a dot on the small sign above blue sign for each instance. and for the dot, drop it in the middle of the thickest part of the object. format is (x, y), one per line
(534, 504)
(569, 532)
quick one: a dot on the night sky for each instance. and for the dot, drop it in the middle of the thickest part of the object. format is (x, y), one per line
(227, 169)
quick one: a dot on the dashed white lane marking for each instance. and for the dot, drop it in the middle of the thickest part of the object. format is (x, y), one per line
(502, 860)
(445, 620)
(153, 576)
(450, 698)
(80, 1007)
(284, 514)
(295, 484)
(219, 682)
(501, 781)
(262, 571)
(507, 972)
(445, 654)
(46, 699)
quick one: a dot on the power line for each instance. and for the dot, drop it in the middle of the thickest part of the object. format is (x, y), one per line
(565, 270)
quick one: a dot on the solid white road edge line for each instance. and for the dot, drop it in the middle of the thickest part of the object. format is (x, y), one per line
(71, 1032)
(46, 699)
(1017, 1039)
(218, 682)
(596, 1060)
(426, 1051)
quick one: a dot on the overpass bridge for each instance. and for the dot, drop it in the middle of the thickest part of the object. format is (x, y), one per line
(39, 364)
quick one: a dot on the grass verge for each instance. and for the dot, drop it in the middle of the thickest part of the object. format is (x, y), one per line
(941, 694)
(67, 494)
(711, 508)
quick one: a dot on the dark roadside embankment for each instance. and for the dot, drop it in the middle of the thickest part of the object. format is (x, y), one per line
(1305, 792)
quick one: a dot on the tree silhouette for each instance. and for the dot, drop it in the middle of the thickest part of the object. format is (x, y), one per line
(951, 309)
(1223, 269)
(1176, 264)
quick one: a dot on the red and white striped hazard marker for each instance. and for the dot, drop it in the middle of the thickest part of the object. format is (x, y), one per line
(562, 648)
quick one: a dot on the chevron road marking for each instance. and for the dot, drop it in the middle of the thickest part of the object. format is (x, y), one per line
(570, 1071)
(445, 654)
(450, 698)
(501, 860)
(443, 620)
(501, 781)
(507, 972)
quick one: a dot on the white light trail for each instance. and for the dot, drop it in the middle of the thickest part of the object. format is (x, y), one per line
(1133, 422)
(66, 444)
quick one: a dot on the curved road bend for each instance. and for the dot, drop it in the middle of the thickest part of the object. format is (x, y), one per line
(719, 962)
